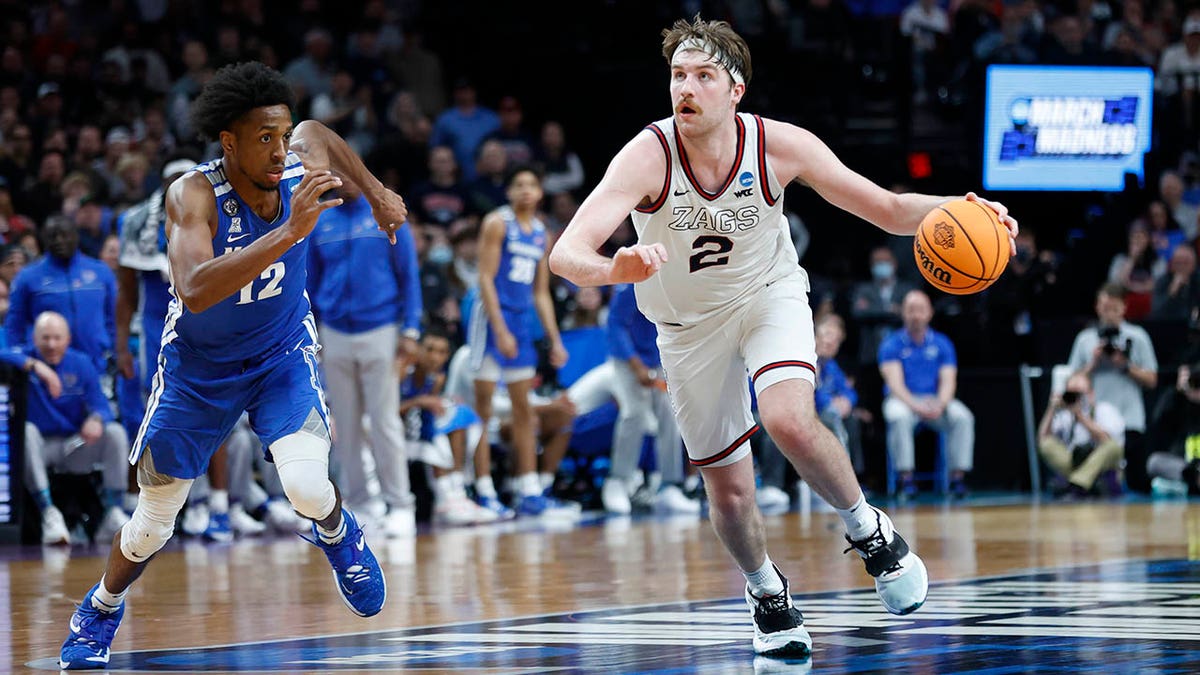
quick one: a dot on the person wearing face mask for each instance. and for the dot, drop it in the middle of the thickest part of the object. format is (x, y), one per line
(876, 304)
(1080, 438)
(369, 318)
(1119, 357)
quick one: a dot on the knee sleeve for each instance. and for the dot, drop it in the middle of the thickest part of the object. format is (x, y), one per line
(153, 521)
(302, 460)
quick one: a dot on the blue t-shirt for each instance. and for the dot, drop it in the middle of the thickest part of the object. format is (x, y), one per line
(920, 362)
(81, 395)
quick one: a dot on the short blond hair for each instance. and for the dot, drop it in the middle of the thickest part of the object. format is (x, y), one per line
(735, 54)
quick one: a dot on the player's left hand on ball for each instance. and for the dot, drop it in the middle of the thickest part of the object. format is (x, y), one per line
(390, 212)
(1005, 219)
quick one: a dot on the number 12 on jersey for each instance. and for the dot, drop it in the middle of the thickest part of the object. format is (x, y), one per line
(711, 251)
(273, 275)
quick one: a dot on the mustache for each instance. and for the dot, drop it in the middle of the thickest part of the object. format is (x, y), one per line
(688, 103)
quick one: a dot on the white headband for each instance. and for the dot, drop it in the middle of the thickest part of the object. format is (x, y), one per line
(714, 53)
(177, 166)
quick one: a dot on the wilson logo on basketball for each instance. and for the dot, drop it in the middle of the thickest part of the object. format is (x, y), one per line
(931, 268)
(943, 234)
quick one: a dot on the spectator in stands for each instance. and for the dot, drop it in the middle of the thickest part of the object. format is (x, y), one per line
(1171, 189)
(1136, 269)
(347, 109)
(1176, 422)
(441, 198)
(312, 73)
(1081, 438)
(1120, 359)
(421, 71)
(517, 142)
(486, 192)
(920, 374)
(834, 395)
(924, 23)
(463, 127)
(1165, 232)
(80, 288)
(1024, 293)
(69, 427)
(11, 222)
(13, 259)
(875, 306)
(1069, 45)
(43, 196)
(564, 169)
(1179, 67)
(16, 160)
(1177, 292)
(370, 317)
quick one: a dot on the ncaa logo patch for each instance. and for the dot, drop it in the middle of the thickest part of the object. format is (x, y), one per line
(230, 207)
(746, 179)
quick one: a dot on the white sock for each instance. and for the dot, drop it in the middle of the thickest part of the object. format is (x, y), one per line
(546, 480)
(484, 487)
(860, 519)
(529, 485)
(335, 535)
(218, 501)
(765, 580)
(105, 600)
(444, 487)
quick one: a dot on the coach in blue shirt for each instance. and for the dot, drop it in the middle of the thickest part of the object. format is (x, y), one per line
(69, 423)
(81, 289)
(920, 375)
(366, 294)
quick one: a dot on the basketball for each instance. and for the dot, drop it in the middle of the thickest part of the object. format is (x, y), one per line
(961, 247)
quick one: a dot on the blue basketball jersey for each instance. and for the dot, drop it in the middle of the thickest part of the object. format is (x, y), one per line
(418, 422)
(266, 313)
(519, 258)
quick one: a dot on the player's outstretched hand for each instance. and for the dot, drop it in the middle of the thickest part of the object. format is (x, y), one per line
(306, 200)
(1005, 219)
(636, 263)
(389, 211)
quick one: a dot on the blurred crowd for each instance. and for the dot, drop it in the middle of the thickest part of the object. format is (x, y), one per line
(94, 96)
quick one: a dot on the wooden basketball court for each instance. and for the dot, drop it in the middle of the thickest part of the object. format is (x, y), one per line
(1087, 587)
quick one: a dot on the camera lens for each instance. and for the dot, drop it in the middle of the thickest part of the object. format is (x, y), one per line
(1070, 397)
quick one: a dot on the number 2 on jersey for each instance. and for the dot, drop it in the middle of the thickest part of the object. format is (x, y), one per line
(710, 252)
(273, 275)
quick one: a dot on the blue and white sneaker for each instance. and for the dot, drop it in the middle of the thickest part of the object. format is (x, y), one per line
(92, 632)
(901, 580)
(219, 528)
(532, 506)
(356, 572)
(493, 504)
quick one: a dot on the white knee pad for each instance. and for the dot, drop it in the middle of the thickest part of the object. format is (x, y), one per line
(302, 460)
(153, 521)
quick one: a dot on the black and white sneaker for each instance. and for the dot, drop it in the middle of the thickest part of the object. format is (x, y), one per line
(778, 626)
(900, 577)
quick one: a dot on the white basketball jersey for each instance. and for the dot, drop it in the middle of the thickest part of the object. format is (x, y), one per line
(722, 246)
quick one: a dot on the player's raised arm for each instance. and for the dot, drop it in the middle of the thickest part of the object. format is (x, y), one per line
(202, 280)
(635, 175)
(322, 149)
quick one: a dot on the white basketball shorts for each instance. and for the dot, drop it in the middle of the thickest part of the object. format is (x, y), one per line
(710, 367)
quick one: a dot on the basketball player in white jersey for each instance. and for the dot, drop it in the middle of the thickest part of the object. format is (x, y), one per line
(716, 271)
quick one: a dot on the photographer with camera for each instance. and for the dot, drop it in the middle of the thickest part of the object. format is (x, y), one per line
(1119, 358)
(1080, 438)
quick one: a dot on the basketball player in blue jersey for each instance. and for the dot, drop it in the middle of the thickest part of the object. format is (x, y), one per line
(513, 279)
(239, 337)
(716, 271)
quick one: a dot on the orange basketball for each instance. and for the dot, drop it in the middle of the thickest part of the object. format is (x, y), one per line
(961, 247)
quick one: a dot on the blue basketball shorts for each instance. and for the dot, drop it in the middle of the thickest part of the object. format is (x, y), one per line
(194, 405)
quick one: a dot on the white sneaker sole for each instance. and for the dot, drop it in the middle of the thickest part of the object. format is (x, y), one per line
(906, 593)
(794, 642)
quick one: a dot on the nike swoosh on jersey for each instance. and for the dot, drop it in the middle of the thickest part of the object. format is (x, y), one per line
(238, 238)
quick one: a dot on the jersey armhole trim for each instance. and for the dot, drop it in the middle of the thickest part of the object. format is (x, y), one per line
(662, 196)
(762, 163)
